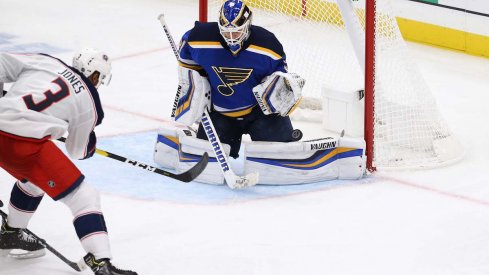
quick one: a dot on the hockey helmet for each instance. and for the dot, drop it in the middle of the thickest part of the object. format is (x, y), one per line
(234, 23)
(90, 60)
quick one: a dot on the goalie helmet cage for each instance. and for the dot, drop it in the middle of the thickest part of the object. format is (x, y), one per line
(350, 45)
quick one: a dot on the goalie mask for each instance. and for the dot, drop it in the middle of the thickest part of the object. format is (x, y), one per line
(234, 23)
(89, 60)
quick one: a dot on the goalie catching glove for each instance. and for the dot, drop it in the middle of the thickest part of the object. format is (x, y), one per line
(279, 93)
(195, 96)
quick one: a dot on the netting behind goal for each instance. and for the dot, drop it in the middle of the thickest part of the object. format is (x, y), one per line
(408, 129)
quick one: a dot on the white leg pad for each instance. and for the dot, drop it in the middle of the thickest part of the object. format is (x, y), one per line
(351, 167)
(191, 148)
(166, 148)
(179, 149)
(281, 163)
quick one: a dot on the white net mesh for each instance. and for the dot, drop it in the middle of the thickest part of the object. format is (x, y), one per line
(408, 132)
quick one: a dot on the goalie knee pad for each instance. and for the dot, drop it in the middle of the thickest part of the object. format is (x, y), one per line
(180, 149)
(195, 95)
(280, 163)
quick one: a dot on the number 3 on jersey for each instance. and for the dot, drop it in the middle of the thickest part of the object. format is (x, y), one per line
(51, 97)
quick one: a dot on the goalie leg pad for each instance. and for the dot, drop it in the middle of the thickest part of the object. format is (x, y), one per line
(306, 162)
(194, 97)
(191, 148)
(179, 149)
(351, 165)
(166, 147)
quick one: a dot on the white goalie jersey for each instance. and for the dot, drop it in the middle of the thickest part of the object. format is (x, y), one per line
(47, 99)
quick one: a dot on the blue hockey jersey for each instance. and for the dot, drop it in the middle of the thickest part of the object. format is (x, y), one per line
(232, 76)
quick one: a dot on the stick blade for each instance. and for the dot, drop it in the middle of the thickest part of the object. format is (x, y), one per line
(79, 266)
(161, 17)
(195, 171)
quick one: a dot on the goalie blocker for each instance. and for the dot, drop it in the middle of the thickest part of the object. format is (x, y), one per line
(196, 96)
(296, 162)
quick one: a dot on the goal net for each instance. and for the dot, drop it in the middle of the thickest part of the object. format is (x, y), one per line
(324, 41)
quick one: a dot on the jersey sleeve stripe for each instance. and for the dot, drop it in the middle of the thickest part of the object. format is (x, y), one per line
(188, 61)
(189, 66)
(264, 51)
(205, 44)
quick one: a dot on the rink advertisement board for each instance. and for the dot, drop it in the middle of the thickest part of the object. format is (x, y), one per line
(480, 7)
(429, 1)
(455, 24)
(474, 6)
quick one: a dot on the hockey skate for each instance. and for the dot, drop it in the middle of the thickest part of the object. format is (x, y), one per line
(104, 266)
(16, 243)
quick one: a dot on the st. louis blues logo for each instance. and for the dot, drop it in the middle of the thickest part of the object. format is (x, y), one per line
(230, 77)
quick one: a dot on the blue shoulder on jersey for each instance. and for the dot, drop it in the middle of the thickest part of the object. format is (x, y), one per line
(200, 32)
(206, 32)
(266, 39)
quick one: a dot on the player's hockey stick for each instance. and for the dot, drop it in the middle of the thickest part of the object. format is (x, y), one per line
(79, 266)
(232, 180)
(186, 176)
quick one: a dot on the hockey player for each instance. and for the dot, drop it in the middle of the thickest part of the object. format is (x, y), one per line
(251, 90)
(47, 99)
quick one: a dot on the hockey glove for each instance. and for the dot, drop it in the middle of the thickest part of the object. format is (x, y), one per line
(279, 93)
(91, 147)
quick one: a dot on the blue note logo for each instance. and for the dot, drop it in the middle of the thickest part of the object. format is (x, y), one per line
(230, 77)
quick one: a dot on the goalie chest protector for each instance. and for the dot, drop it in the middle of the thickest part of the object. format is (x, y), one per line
(232, 76)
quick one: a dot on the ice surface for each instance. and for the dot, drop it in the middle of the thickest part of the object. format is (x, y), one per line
(413, 222)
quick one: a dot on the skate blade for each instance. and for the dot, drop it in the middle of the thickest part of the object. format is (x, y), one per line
(24, 254)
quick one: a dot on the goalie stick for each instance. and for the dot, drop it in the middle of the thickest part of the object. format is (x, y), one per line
(186, 176)
(232, 180)
(161, 17)
(79, 266)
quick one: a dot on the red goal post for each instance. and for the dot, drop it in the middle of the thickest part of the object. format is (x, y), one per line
(326, 41)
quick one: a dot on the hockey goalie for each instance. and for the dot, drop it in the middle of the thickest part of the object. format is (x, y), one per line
(238, 72)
